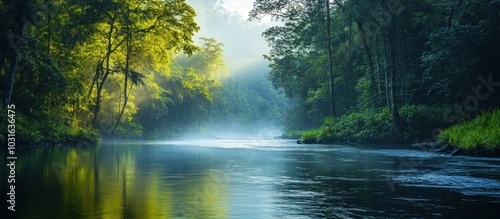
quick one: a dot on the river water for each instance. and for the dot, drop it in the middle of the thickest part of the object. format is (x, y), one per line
(251, 179)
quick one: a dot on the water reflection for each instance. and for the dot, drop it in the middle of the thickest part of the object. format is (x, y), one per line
(118, 181)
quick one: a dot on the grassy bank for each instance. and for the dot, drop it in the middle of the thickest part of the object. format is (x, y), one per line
(375, 126)
(480, 134)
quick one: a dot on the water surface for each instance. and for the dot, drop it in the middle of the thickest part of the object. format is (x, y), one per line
(252, 179)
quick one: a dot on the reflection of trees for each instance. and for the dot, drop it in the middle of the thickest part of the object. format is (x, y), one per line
(207, 196)
(120, 182)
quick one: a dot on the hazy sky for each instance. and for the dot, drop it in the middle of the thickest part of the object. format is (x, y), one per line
(244, 44)
(239, 7)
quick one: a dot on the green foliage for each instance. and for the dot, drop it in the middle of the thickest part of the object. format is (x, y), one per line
(366, 126)
(130, 131)
(293, 134)
(28, 131)
(48, 131)
(79, 64)
(482, 133)
(186, 94)
(116, 64)
(419, 121)
(327, 131)
(311, 136)
(389, 56)
(375, 126)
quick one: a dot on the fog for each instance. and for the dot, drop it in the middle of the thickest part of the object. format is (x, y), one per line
(227, 22)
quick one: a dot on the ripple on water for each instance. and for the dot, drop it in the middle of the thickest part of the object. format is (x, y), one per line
(466, 185)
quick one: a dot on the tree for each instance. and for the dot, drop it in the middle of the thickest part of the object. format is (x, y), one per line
(294, 11)
(169, 22)
(330, 59)
(199, 80)
(21, 13)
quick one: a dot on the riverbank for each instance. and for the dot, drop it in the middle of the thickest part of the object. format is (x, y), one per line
(28, 133)
(478, 137)
(375, 126)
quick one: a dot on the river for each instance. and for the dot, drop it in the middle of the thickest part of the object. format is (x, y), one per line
(251, 179)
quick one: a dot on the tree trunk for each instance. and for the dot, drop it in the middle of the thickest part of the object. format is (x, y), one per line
(10, 82)
(330, 59)
(379, 76)
(394, 105)
(125, 83)
(21, 13)
(106, 71)
(387, 101)
(97, 104)
(368, 56)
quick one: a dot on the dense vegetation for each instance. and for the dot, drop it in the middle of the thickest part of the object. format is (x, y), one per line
(375, 126)
(384, 70)
(355, 70)
(78, 69)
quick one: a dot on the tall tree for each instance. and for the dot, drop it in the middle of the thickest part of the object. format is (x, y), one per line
(16, 16)
(301, 56)
(330, 58)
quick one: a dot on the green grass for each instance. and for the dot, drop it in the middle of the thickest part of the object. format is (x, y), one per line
(482, 133)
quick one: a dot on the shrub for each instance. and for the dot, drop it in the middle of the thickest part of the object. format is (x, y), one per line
(327, 131)
(419, 121)
(129, 131)
(27, 131)
(376, 126)
(50, 130)
(310, 137)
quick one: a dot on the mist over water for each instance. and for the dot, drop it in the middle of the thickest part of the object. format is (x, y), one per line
(253, 131)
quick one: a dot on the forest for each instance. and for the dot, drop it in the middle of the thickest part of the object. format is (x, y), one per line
(388, 70)
(368, 71)
(75, 70)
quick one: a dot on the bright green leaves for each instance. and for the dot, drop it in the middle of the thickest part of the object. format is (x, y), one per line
(203, 70)
(85, 59)
(133, 38)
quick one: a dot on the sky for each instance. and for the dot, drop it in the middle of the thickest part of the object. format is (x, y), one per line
(228, 24)
(238, 7)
